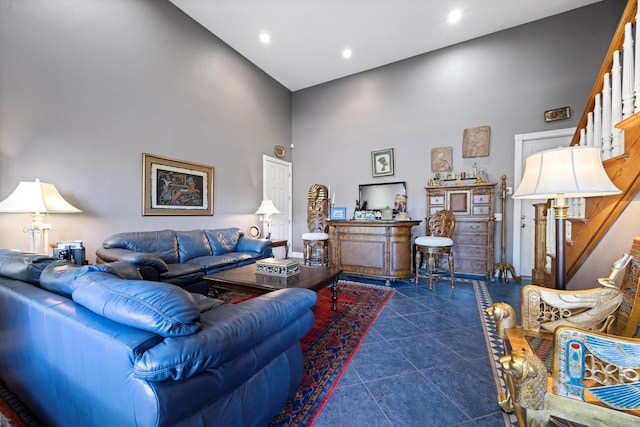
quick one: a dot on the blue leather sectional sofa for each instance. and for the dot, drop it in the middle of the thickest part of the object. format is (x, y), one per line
(95, 345)
(183, 257)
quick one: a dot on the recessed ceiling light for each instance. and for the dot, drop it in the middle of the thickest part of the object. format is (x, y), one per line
(346, 54)
(455, 16)
(265, 37)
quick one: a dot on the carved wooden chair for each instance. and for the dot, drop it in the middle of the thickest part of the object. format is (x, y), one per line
(439, 242)
(591, 366)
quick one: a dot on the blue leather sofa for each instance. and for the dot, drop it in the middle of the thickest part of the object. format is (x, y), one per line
(95, 345)
(183, 257)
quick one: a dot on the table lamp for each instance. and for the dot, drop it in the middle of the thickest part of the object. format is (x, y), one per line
(267, 208)
(37, 198)
(560, 173)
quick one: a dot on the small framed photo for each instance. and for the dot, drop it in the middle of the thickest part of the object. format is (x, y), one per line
(360, 215)
(176, 187)
(382, 162)
(338, 214)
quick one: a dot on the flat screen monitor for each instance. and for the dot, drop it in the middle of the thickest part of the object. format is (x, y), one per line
(379, 196)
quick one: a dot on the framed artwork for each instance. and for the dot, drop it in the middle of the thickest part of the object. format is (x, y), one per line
(442, 159)
(557, 114)
(382, 162)
(475, 142)
(338, 214)
(176, 187)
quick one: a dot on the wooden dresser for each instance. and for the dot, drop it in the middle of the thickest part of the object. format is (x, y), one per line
(377, 249)
(473, 237)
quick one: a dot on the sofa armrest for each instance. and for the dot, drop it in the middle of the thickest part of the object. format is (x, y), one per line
(139, 259)
(260, 246)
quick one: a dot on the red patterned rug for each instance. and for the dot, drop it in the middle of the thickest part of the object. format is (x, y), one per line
(330, 345)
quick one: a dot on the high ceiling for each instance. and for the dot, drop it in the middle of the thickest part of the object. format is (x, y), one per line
(309, 36)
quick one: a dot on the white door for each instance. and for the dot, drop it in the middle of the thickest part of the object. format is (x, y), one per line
(276, 178)
(523, 223)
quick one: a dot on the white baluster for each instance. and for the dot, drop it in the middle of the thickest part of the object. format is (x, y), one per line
(616, 105)
(597, 121)
(627, 72)
(583, 138)
(590, 129)
(606, 118)
(636, 79)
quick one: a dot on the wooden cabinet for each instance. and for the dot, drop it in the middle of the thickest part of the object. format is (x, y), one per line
(473, 237)
(377, 249)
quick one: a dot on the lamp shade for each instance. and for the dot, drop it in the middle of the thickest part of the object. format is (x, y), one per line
(267, 208)
(37, 197)
(565, 172)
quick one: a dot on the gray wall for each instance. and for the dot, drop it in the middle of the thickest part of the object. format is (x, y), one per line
(505, 80)
(87, 86)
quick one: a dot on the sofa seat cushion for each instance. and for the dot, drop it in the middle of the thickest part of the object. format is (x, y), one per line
(223, 240)
(228, 331)
(156, 307)
(179, 270)
(214, 263)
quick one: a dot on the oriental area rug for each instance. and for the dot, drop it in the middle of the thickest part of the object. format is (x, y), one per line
(329, 345)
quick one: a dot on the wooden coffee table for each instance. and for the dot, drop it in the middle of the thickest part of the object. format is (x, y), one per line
(245, 279)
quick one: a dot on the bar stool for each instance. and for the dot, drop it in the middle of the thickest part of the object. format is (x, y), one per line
(441, 226)
(316, 247)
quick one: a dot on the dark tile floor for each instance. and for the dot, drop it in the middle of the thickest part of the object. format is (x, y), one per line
(424, 362)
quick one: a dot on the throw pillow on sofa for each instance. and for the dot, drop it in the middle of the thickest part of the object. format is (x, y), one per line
(163, 309)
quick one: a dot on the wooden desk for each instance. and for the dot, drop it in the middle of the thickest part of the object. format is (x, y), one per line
(279, 243)
(377, 249)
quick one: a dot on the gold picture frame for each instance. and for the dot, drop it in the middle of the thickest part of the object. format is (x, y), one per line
(382, 162)
(176, 187)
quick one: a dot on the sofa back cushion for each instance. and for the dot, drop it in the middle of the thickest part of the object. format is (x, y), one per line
(60, 276)
(25, 266)
(223, 240)
(161, 308)
(192, 244)
(163, 243)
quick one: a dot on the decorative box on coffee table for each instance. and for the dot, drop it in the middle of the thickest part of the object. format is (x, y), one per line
(278, 267)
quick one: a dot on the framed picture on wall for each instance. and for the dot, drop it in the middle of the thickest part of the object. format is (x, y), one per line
(176, 187)
(382, 162)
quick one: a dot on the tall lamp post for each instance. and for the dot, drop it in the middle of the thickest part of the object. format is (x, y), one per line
(561, 173)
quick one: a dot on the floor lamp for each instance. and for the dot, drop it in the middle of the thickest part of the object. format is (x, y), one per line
(37, 198)
(561, 173)
(267, 208)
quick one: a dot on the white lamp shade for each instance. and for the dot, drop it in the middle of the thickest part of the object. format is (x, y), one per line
(38, 197)
(267, 208)
(565, 172)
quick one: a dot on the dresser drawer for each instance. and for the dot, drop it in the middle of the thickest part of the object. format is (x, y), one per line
(473, 266)
(470, 239)
(436, 200)
(476, 252)
(481, 198)
(481, 210)
(471, 227)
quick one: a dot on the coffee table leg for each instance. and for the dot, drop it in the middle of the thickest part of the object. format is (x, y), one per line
(334, 295)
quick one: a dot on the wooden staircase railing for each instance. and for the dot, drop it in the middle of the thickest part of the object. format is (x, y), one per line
(624, 169)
